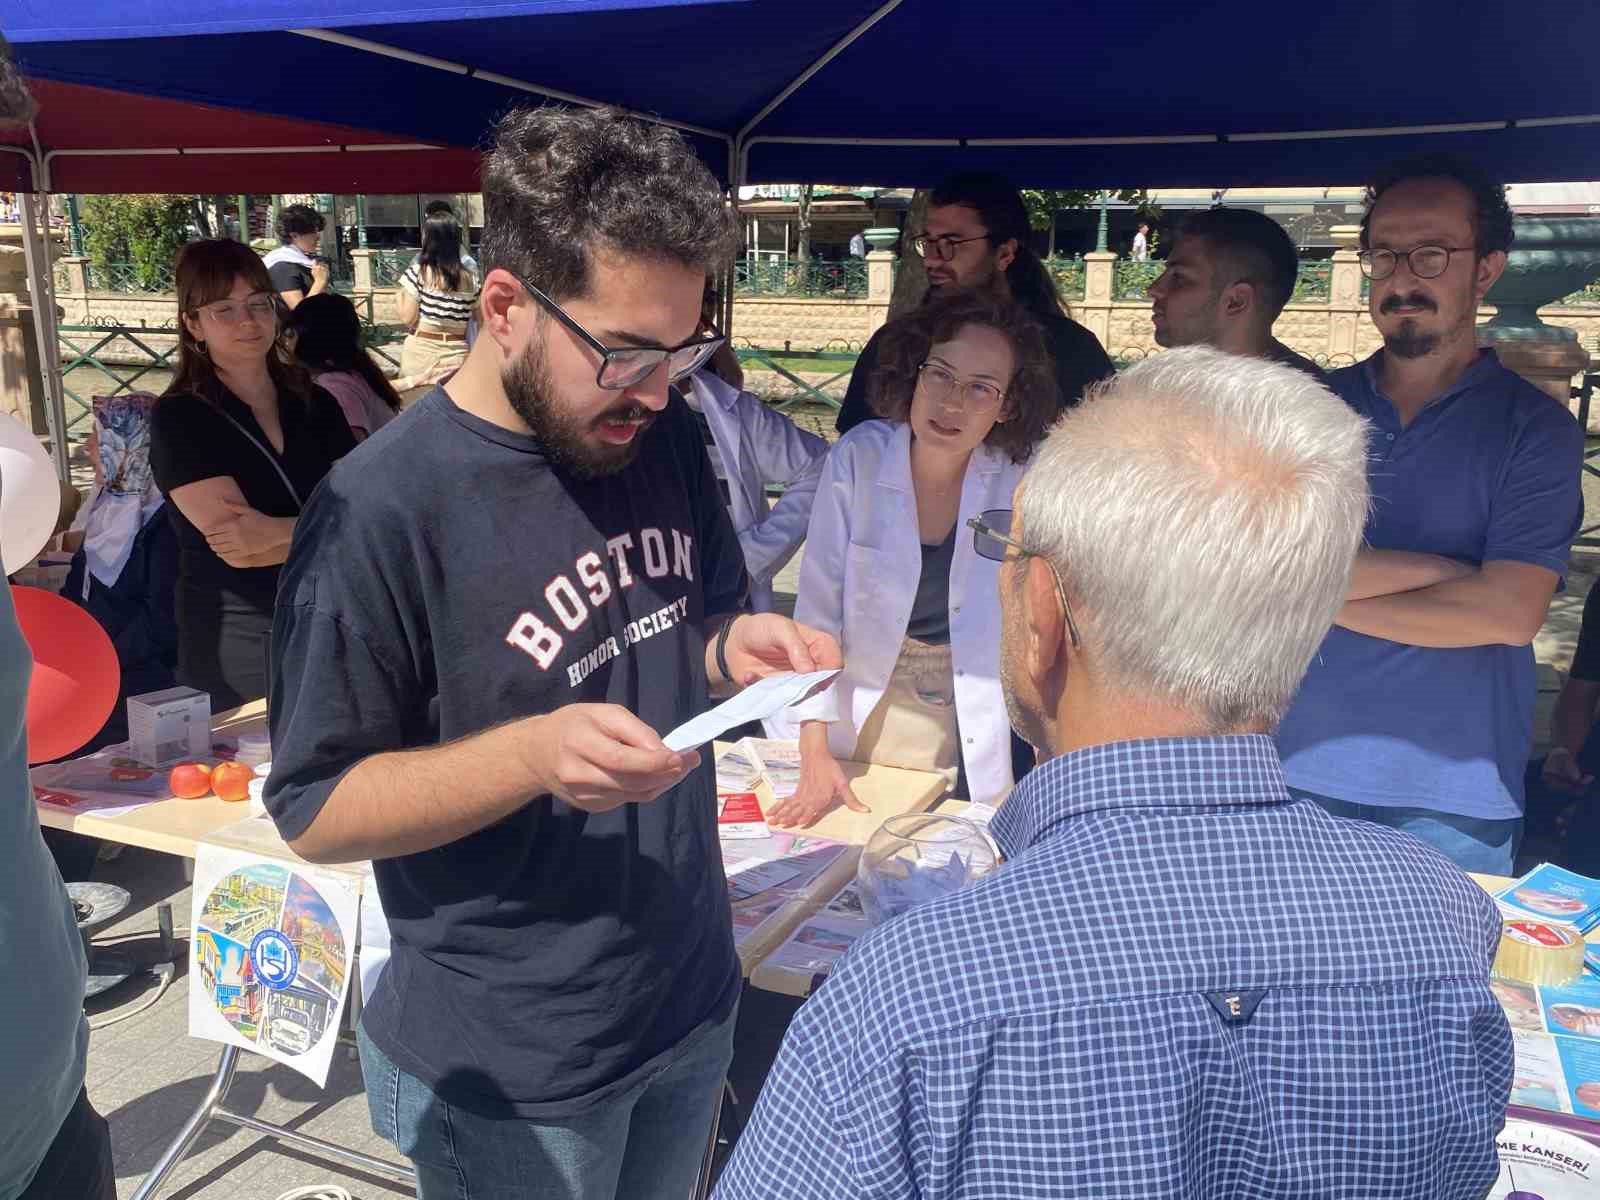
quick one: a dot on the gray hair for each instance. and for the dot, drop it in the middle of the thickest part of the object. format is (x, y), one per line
(1204, 511)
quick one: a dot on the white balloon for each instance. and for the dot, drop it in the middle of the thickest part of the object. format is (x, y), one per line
(30, 495)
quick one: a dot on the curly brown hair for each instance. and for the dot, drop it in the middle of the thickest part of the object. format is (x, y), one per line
(1032, 400)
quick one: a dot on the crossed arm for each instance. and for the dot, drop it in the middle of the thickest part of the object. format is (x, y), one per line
(239, 535)
(1428, 600)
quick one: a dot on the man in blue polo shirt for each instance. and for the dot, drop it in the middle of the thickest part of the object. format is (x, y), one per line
(1418, 712)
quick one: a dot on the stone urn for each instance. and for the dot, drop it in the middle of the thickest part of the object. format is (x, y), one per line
(1551, 257)
(881, 237)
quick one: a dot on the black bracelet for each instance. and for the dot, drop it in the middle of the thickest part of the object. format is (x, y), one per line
(722, 646)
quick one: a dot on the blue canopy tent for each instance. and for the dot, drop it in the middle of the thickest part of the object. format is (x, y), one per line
(275, 93)
(897, 92)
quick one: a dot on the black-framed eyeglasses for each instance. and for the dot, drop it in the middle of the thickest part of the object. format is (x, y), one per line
(943, 246)
(991, 536)
(1425, 262)
(623, 366)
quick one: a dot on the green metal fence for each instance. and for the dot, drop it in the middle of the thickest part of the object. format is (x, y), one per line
(836, 361)
(812, 279)
(1314, 283)
(107, 359)
(1068, 274)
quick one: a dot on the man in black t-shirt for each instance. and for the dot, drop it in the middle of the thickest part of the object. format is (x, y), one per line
(1229, 275)
(977, 236)
(490, 613)
(295, 269)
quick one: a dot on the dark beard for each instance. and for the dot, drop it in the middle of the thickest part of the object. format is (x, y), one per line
(1410, 342)
(528, 389)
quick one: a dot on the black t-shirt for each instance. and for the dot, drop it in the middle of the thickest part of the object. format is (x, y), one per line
(1290, 358)
(557, 953)
(290, 277)
(191, 440)
(1080, 360)
(930, 609)
(1586, 658)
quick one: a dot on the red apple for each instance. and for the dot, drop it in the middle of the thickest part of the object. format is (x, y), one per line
(231, 781)
(190, 780)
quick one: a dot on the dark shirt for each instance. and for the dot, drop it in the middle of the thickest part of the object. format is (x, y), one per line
(1080, 360)
(558, 954)
(1182, 983)
(930, 608)
(1586, 658)
(1282, 354)
(191, 440)
(290, 277)
(1489, 471)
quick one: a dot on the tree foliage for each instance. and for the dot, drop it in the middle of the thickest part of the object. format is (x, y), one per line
(144, 230)
(1042, 204)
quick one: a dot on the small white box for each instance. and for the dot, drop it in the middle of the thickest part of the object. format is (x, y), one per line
(169, 726)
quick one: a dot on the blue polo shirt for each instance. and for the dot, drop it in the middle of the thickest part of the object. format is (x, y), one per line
(1489, 472)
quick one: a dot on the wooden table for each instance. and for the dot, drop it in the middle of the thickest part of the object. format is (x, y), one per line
(172, 826)
(176, 826)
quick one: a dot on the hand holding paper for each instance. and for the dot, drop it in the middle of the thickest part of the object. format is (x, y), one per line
(763, 644)
(755, 702)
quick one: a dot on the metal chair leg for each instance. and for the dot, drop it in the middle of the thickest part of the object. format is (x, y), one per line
(197, 1121)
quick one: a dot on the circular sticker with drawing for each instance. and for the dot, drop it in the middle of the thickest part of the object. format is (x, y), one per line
(271, 956)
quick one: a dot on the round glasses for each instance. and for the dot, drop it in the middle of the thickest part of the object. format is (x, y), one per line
(941, 384)
(943, 247)
(1425, 262)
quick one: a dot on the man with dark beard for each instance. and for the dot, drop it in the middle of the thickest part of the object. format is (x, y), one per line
(489, 614)
(1418, 712)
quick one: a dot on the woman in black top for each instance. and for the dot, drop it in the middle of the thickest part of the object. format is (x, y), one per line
(237, 444)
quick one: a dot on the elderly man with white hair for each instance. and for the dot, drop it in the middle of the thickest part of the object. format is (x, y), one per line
(1183, 982)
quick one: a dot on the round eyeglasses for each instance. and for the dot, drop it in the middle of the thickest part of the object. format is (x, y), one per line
(1425, 262)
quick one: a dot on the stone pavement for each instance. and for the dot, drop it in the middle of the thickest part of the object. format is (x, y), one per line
(146, 1075)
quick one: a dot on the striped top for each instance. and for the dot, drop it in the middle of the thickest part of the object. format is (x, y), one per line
(442, 311)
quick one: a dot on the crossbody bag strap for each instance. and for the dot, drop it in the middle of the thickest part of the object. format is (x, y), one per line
(299, 504)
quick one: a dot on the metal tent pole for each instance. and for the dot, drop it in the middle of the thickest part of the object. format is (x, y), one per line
(41, 291)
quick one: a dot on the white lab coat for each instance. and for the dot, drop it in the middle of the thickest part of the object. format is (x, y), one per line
(758, 446)
(859, 579)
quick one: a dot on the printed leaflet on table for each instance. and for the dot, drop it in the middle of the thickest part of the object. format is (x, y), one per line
(1553, 893)
(1557, 1036)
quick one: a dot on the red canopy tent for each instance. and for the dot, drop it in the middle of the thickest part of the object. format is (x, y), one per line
(95, 140)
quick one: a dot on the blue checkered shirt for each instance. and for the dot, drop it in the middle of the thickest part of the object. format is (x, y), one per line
(1181, 984)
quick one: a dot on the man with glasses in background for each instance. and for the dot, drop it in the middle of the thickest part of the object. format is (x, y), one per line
(1418, 711)
(485, 623)
(1184, 981)
(977, 235)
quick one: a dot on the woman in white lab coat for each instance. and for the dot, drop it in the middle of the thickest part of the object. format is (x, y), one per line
(752, 446)
(966, 390)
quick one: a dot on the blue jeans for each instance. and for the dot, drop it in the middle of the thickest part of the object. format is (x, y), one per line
(646, 1141)
(1472, 843)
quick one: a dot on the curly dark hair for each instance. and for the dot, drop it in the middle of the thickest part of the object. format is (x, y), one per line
(1033, 398)
(297, 219)
(560, 183)
(1491, 217)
